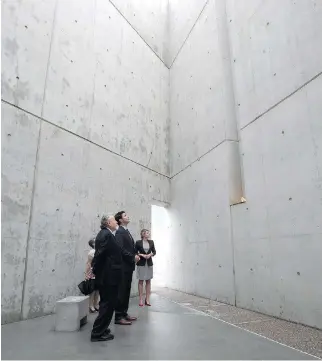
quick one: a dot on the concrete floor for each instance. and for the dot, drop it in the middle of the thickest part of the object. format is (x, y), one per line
(167, 330)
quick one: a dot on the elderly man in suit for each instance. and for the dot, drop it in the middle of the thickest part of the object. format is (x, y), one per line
(107, 266)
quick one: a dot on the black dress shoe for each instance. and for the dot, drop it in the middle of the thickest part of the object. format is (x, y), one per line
(107, 332)
(104, 337)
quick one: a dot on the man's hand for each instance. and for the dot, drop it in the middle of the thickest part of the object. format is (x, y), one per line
(137, 258)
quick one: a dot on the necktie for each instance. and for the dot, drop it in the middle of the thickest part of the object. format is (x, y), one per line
(130, 236)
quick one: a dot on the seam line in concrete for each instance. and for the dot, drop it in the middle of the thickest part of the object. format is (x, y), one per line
(111, 2)
(187, 37)
(85, 139)
(94, 78)
(241, 328)
(161, 201)
(282, 100)
(254, 321)
(36, 167)
(198, 159)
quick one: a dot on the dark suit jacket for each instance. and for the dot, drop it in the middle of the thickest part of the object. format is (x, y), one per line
(139, 249)
(108, 259)
(125, 240)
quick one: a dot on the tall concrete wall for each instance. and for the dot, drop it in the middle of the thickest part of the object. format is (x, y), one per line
(246, 121)
(85, 130)
(203, 136)
(277, 62)
(108, 126)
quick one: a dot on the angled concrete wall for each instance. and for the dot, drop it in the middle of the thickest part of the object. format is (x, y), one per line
(204, 145)
(254, 83)
(277, 61)
(150, 20)
(85, 130)
(101, 124)
(19, 137)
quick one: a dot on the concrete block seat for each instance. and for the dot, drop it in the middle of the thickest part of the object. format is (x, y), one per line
(71, 313)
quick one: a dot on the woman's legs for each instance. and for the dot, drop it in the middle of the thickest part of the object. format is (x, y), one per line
(91, 301)
(148, 291)
(141, 292)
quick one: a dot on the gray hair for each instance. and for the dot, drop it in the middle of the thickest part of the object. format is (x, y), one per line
(105, 218)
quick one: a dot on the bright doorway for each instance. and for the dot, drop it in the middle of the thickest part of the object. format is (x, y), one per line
(160, 227)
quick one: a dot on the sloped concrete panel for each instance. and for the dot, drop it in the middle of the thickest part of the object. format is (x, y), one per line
(277, 233)
(150, 20)
(182, 18)
(19, 146)
(76, 183)
(102, 74)
(131, 93)
(276, 48)
(200, 102)
(200, 229)
(26, 36)
(70, 82)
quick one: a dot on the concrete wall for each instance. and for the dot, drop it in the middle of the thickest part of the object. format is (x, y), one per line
(203, 136)
(277, 62)
(242, 117)
(245, 93)
(85, 130)
(150, 20)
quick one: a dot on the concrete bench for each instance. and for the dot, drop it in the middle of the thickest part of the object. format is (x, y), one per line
(71, 313)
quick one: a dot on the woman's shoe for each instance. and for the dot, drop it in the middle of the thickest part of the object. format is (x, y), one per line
(141, 304)
(96, 309)
(92, 310)
(147, 304)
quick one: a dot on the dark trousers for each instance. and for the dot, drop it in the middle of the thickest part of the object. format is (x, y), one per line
(124, 296)
(108, 301)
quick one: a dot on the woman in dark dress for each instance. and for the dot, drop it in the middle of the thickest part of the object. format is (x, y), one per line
(144, 268)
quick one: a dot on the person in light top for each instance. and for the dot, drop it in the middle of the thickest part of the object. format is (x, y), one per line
(94, 296)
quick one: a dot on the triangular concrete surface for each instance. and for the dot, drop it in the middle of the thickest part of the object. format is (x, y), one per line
(163, 24)
(181, 22)
(150, 19)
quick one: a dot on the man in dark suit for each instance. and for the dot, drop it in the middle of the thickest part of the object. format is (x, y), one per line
(125, 240)
(107, 267)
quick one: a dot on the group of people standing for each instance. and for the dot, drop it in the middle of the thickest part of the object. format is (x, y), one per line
(111, 263)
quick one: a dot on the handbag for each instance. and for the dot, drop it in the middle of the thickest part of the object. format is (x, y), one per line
(87, 287)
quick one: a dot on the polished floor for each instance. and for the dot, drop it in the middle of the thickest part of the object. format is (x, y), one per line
(167, 330)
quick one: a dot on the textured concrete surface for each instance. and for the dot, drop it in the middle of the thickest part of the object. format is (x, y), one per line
(265, 255)
(86, 181)
(181, 22)
(277, 234)
(273, 52)
(17, 178)
(100, 143)
(164, 331)
(150, 20)
(26, 36)
(238, 115)
(205, 266)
